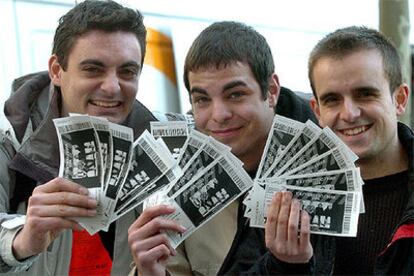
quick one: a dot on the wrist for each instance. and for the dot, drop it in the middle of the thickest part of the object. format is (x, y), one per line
(19, 249)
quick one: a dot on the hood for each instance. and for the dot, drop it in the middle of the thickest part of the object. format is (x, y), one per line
(25, 92)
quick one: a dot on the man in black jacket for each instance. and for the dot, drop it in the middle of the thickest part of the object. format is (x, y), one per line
(229, 73)
(355, 74)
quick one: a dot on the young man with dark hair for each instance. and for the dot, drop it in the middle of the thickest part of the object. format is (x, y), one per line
(94, 69)
(234, 92)
(355, 74)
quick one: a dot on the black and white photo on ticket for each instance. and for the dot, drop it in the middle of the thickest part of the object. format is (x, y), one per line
(101, 126)
(137, 196)
(340, 208)
(148, 165)
(173, 133)
(281, 134)
(80, 158)
(212, 189)
(122, 139)
(210, 151)
(343, 180)
(195, 141)
(334, 159)
(209, 192)
(324, 141)
(301, 141)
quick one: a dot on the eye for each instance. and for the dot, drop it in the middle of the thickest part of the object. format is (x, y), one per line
(92, 70)
(236, 95)
(367, 93)
(129, 73)
(200, 101)
(329, 100)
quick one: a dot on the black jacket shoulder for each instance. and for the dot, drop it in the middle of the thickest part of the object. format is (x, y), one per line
(294, 106)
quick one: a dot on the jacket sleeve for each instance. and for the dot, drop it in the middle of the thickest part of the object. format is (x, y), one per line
(269, 265)
(10, 224)
(179, 264)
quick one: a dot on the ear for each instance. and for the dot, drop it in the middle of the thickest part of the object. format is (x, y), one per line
(55, 70)
(315, 108)
(274, 90)
(400, 99)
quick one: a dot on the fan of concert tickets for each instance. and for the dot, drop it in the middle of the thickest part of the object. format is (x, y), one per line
(318, 168)
(186, 168)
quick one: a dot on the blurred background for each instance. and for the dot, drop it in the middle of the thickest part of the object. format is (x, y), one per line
(291, 27)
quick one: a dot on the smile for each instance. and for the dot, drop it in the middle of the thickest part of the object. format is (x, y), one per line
(354, 131)
(106, 104)
(225, 132)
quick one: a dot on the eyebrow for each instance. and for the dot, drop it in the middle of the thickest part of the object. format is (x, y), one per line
(101, 64)
(92, 61)
(233, 84)
(366, 88)
(227, 86)
(196, 89)
(131, 63)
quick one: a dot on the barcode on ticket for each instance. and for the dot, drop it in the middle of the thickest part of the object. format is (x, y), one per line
(348, 211)
(120, 134)
(74, 127)
(153, 155)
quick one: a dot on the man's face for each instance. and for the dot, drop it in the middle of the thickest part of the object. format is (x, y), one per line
(228, 105)
(355, 101)
(101, 77)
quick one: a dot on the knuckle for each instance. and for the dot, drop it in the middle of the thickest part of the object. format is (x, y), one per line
(32, 211)
(141, 257)
(280, 248)
(145, 259)
(157, 222)
(134, 247)
(271, 218)
(152, 211)
(130, 239)
(60, 209)
(32, 200)
(63, 197)
(37, 189)
(164, 239)
(292, 227)
(305, 230)
(282, 223)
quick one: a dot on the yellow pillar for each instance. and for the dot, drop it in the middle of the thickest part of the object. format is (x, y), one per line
(395, 24)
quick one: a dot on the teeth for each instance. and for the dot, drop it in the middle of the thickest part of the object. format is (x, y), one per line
(354, 131)
(105, 104)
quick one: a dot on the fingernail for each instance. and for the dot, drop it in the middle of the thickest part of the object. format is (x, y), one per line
(83, 191)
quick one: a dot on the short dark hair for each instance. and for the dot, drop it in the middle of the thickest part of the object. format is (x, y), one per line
(89, 15)
(223, 43)
(348, 40)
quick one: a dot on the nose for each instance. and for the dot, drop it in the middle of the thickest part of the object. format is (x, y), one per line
(350, 111)
(220, 112)
(110, 84)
